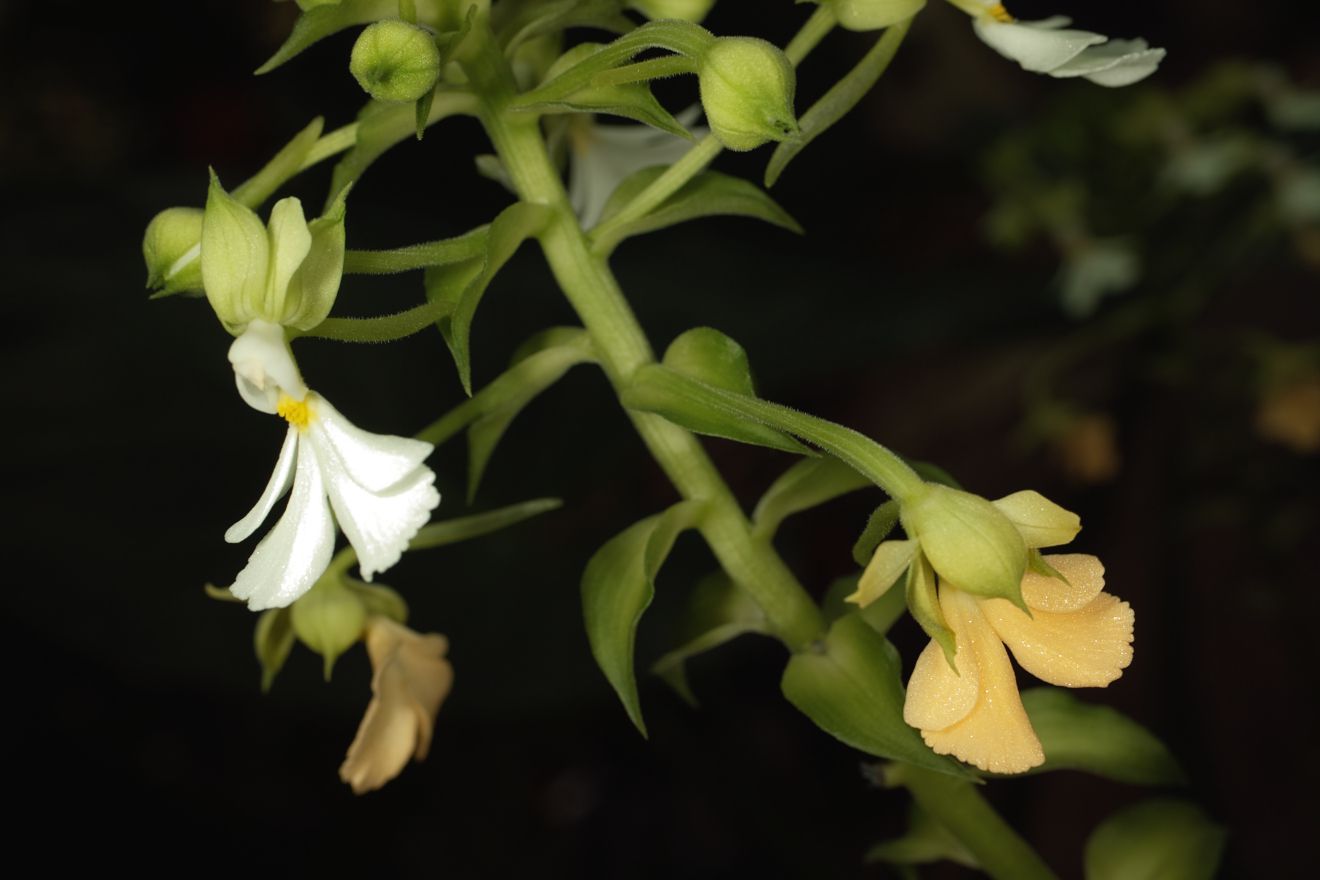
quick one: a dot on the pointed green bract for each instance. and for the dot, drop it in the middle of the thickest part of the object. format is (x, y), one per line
(717, 612)
(535, 367)
(807, 484)
(618, 585)
(273, 640)
(924, 602)
(878, 526)
(235, 256)
(462, 285)
(1097, 739)
(849, 685)
(709, 194)
(840, 99)
(281, 168)
(1156, 840)
(888, 564)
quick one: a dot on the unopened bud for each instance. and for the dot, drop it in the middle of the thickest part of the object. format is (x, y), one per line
(329, 619)
(687, 10)
(172, 249)
(747, 90)
(871, 15)
(395, 61)
(970, 543)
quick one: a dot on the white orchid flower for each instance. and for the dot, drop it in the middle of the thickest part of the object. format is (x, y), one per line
(1050, 46)
(374, 486)
(602, 156)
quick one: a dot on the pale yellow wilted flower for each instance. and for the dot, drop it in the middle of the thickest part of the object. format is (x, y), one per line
(1088, 449)
(1076, 636)
(411, 679)
(1290, 414)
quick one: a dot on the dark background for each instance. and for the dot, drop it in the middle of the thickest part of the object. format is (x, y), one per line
(139, 735)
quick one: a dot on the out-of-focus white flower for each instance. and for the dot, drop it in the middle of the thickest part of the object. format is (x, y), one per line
(379, 491)
(411, 679)
(1093, 270)
(602, 156)
(1050, 46)
(1204, 167)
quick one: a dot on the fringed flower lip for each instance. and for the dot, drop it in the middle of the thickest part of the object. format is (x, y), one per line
(1077, 636)
(374, 486)
(1049, 46)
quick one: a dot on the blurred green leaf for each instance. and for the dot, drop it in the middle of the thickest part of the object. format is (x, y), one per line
(1097, 739)
(925, 841)
(464, 528)
(708, 194)
(807, 484)
(1156, 840)
(533, 19)
(717, 612)
(617, 587)
(849, 685)
(880, 615)
(273, 640)
(379, 600)
(464, 284)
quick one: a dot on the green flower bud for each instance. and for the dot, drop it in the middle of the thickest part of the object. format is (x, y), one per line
(395, 61)
(308, 5)
(329, 619)
(971, 544)
(747, 90)
(172, 249)
(687, 10)
(871, 15)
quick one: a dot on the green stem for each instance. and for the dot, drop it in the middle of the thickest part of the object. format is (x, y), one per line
(330, 144)
(959, 806)
(642, 71)
(814, 30)
(694, 161)
(593, 292)
(417, 256)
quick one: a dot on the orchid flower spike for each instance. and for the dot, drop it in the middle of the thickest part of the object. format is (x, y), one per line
(1049, 46)
(379, 491)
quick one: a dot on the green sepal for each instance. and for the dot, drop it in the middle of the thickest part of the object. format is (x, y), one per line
(878, 526)
(849, 685)
(535, 19)
(1097, 739)
(970, 542)
(632, 100)
(464, 528)
(273, 640)
(923, 601)
(807, 484)
(1161, 839)
(617, 587)
(314, 287)
(709, 194)
(1037, 564)
(841, 98)
(717, 612)
(462, 285)
(880, 615)
(319, 22)
(698, 360)
(925, 841)
(379, 600)
(536, 366)
(381, 126)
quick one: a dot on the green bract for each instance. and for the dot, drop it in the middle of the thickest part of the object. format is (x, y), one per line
(870, 15)
(969, 542)
(395, 61)
(286, 272)
(172, 248)
(747, 88)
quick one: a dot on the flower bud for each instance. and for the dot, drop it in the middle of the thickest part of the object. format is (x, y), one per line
(329, 619)
(871, 15)
(172, 249)
(969, 542)
(747, 90)
(395, 61)
(687, 10)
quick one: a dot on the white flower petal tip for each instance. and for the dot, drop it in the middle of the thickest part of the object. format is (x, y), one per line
(1051, 48)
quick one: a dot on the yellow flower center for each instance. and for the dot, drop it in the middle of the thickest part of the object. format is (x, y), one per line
(999, 13)
(295, 412)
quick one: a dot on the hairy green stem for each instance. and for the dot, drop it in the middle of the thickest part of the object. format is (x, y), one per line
(959, 806)
(815, 29)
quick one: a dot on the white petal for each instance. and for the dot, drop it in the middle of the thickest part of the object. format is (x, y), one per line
(374, 461)
(290, 241)
(264, 366)
(1116, 63)
(379, 525)
(274, 491)
(1039, 46)
(607, 154)
(297, 550)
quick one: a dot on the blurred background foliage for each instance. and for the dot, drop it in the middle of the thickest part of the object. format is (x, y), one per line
(933, 304)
